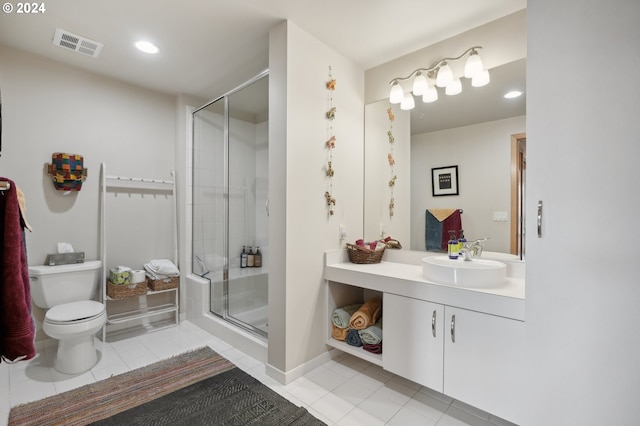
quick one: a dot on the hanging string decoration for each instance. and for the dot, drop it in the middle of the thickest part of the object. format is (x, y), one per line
(330, 144)
(391, 160)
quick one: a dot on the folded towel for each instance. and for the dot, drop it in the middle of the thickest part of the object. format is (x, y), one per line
(152, 275)
(353, 338)
(162, 267)
(376, 349)
(339, 333)
(23, 209)
(432, 232)
(341, 316)
(442, 214)
(367, 314)
(373, 334)
(437, 230)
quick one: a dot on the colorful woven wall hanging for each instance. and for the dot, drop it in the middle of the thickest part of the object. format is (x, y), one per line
(67, 171)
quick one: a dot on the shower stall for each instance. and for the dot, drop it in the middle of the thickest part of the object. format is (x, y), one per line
(230, 149)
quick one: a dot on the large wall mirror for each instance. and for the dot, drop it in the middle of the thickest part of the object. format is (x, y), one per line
(480, 132)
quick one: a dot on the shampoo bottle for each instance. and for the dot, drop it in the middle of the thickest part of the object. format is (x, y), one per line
(453, 245)
(257, 258)
(250, 257)
(243, 257)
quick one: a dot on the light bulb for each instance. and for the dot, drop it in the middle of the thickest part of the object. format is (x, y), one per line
(444, 76)
(146, 46)
(481, 80)
(513, 94)
(396, 94)
(407, 102)
(420, 84)
(473, 66)
(454, 87)
(431, 95)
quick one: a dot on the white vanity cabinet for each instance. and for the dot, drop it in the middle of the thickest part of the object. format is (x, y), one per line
(465, 343)
(470, 356)
(413, 339)
(483, 361)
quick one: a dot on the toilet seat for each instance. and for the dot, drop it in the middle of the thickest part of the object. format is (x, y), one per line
(75, 312)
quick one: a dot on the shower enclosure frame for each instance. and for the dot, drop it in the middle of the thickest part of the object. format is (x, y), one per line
(226, 277)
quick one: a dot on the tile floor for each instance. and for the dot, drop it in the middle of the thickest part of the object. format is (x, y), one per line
(343, 391)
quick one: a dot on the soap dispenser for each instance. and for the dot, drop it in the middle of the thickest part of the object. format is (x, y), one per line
(453, 245)
(257, 258)
(461, 242)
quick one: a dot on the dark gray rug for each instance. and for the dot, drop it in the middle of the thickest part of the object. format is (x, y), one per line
(233, 398)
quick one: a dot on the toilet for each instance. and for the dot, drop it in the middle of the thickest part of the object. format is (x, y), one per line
(72, 316)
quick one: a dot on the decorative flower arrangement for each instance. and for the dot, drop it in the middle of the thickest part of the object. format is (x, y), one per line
(330, 143)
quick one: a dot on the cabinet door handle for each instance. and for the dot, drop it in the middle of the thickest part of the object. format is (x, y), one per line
(433, 324)
(453, 328)
(539, 219)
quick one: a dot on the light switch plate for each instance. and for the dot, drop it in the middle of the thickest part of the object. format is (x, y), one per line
(500, 216)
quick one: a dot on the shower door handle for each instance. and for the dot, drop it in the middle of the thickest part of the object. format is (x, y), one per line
(266, 206)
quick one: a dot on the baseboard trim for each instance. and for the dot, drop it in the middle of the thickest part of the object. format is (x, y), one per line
(286, 377)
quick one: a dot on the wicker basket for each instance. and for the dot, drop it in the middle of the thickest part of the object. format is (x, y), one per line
(359, 254)
(122, 291)
(165, 284)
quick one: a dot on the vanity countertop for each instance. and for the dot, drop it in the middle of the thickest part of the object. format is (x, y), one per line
(405, 279)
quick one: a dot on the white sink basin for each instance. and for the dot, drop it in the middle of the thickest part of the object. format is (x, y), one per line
(478, 273)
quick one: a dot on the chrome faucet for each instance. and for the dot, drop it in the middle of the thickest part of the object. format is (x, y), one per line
(472, 249)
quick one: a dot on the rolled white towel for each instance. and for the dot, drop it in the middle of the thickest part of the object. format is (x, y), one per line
(155, 276)
(162, 267)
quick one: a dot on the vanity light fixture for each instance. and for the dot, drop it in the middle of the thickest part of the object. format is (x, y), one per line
(439, 74)
(146, 46)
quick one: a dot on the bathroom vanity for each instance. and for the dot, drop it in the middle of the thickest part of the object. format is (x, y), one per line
(465, 343)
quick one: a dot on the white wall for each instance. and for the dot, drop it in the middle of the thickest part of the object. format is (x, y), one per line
(49, 107)
(582, 340)
(482, 153)
(300, 226)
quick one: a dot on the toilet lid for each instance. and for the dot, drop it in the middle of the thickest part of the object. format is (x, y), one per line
(75, 311)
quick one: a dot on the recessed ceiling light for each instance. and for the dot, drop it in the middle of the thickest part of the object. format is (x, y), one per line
(513, 94)
(147, 46)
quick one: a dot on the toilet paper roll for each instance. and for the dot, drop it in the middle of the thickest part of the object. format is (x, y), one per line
(137, 276)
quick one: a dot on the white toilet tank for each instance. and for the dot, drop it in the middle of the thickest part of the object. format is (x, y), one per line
(53, 285)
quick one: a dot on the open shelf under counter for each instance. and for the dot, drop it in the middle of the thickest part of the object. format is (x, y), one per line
(355, 351)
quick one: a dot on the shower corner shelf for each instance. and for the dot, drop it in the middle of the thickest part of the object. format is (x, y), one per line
(144, 311)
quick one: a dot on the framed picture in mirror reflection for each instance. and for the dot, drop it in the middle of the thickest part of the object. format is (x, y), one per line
(444, 181)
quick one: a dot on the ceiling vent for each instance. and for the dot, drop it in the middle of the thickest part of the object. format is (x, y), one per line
(77, 43)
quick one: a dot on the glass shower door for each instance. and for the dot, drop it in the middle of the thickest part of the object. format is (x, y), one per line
(230, 189)
(209, 243)
(248, 190)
